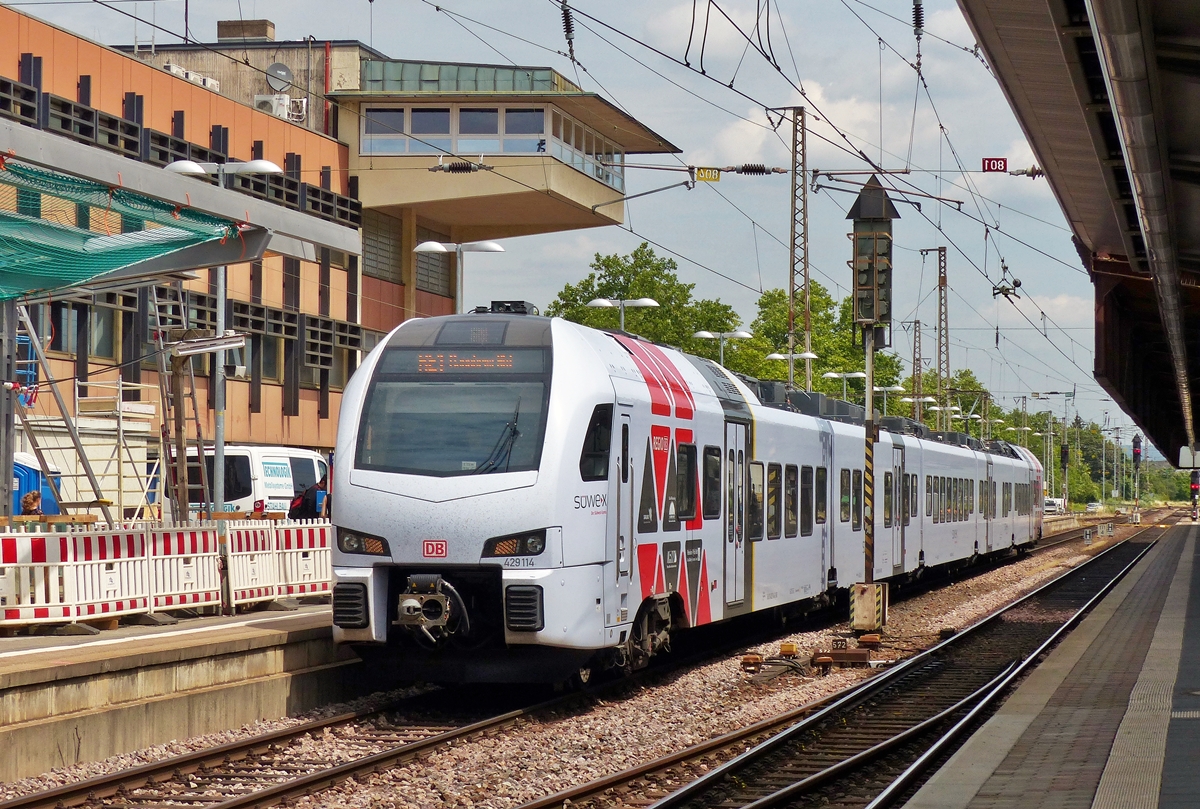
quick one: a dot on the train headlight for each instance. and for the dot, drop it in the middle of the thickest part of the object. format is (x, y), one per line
(529, 543)
(354, 542)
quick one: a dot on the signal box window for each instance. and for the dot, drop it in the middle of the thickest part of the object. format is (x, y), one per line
(791, 517)
(685, 493)
(712, 483)
(844, 495)
(806, 501)
(593, 462)
(774, 500)
(755, 517)
(856, 494)
(822, 494)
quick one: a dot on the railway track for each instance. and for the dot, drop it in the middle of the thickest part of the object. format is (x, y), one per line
(864, 746)
(276, 767)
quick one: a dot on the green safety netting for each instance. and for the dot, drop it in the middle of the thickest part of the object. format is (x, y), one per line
(58, 231)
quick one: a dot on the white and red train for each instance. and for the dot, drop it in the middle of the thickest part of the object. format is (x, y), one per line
(520, 497)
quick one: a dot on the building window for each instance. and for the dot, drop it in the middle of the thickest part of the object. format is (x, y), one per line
(475, 123)
(427, 124)
(65, 333)
(104, 340)
(272, 359)
(382, 246)
(433, 269)
(383, 131)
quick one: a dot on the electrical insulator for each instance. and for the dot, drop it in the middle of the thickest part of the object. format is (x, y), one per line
(752, 168)
(568, 22)
(461, 167)
(918, 18)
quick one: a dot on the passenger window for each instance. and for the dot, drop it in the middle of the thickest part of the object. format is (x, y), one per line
(970, 497)
(685, 491)
(593, 461)
(857, 492)
(928, 496)
(904, 503)
(712, 483)
(844, 495)
(887, 499)
(806, 501)
(791, 519)
(304, 474)
(914, 501)
(774, 501)
(822, 495)
(755, 523)
(733, 515)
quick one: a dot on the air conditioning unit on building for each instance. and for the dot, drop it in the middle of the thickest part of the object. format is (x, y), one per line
(209, 83)
(236, 372)
(279, 105)
(175, 70)
(193, 76)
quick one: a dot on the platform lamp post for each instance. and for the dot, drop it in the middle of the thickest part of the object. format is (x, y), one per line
(844, 377)
(917, 402)
(721, 337)
(885, 391)
(791, 361)
(622, 304)
(458, 248)
(225, 173)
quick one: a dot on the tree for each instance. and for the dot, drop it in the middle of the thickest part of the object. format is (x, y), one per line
(643, 274)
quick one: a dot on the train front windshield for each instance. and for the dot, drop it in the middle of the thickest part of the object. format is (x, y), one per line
(444, 412)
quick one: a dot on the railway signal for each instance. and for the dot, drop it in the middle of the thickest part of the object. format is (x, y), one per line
(871, 267)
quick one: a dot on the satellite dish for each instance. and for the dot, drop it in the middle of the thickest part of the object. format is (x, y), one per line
(279, 77)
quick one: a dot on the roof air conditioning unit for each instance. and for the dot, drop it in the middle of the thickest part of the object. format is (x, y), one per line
(278, 105)
(175, 70)
(210, 83)
(193, 76)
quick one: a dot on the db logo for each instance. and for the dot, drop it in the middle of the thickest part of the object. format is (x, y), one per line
(434, 549)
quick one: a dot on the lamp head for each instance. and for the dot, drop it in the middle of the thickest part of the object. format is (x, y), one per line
(806, 355)
(705, 335)
(433, 247)
(481, 247)
(188, 168)
(776, 356)
(739, 334)
(831, 375)
(601, 303)
(856, 375)
(642, 303)
(253, 167)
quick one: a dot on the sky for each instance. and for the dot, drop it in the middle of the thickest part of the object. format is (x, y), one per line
(854, 62)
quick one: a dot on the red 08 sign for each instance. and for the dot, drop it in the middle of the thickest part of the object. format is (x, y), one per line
(995, 164)
(434, 549)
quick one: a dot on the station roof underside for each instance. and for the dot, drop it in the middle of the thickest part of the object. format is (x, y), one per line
(1109, 106)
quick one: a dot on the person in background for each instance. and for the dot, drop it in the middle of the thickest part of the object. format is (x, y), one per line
(304, 507)
(31, 505)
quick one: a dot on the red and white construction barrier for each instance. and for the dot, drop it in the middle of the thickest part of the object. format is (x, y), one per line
(305, 558)
(185, 564)
(52, 577)
(253, 562)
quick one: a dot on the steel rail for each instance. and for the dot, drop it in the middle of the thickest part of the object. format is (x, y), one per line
(893, 790)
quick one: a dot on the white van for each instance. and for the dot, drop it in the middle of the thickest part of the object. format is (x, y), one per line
(260, 478)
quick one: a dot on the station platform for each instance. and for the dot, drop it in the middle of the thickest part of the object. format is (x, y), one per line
(1111, 717)
(68, 699)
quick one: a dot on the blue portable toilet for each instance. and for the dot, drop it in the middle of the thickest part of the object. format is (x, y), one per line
(28, 477)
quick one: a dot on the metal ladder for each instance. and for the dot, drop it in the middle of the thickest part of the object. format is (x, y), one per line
(182, 427)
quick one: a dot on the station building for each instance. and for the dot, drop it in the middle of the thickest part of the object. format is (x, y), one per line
(365, 141)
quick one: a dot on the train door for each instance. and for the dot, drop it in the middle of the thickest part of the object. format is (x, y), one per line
(626, 509)
(991, 509)
(899, 508)
(735, 507)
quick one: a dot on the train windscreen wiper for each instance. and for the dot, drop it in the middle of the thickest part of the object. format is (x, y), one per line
(502, 451)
